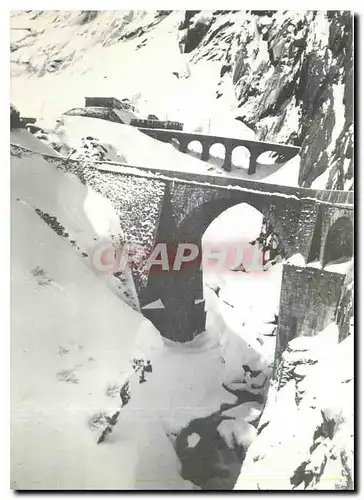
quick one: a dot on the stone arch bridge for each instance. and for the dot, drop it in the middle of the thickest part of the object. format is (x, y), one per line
(169, 206)
(255, 148)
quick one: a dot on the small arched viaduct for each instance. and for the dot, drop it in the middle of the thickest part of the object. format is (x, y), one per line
(172, 207)
(255, 148)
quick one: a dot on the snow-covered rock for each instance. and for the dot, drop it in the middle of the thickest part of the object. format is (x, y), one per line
(305, 438)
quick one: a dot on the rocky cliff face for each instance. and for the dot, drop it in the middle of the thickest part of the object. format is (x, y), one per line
(293, 78)
(287, 75)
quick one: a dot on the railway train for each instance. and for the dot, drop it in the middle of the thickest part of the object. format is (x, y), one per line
(148, 123)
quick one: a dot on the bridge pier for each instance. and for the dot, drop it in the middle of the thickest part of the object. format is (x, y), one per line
(179, 321)
(182, 316)
(183, 145)
(253, 161)
(228, 157)
(205, 152)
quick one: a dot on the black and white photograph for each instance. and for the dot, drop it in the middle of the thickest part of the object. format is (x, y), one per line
(182, 250)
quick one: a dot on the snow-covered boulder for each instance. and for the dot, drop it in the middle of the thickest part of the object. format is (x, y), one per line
(305, 438)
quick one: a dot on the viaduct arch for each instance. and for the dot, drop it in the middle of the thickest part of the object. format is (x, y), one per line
(333, 237)
(339, 241)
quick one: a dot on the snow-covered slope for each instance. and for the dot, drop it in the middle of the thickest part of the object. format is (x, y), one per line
(306, 432)
(72, 338)
(66, 351)
(122, 143)
(79, 215)
(73, 342)
(287, 77)
(23, 138)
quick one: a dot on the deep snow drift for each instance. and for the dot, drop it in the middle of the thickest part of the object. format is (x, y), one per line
(69, 355)
(73, 346)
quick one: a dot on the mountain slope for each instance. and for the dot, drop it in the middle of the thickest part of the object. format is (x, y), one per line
(287, 75)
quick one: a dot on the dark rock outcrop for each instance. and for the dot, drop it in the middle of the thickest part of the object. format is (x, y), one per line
(293, 77)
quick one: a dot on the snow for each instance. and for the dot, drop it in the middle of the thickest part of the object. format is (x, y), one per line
(192, 440)
(286, 174)
(157, 304)
(65, 351)
(341, 266)
(185, 384)
(297, 260)
(315, 264)
(142, 71)
(73, 338)
(72, 345)
(240, 432)
(125, 144)
(240, 223)
(242, 297)
(86, 216)
(129, 146)
(247, 411)
(321, 181)
(247, 302)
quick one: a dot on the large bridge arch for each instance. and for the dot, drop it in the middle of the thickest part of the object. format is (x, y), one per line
(192, 228)
(188, 211)
(193, 208)
(194, 225)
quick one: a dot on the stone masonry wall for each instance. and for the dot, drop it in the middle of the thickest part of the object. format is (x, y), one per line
(306, 227)
(285, 218)
(137, 200)
(308, 303)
